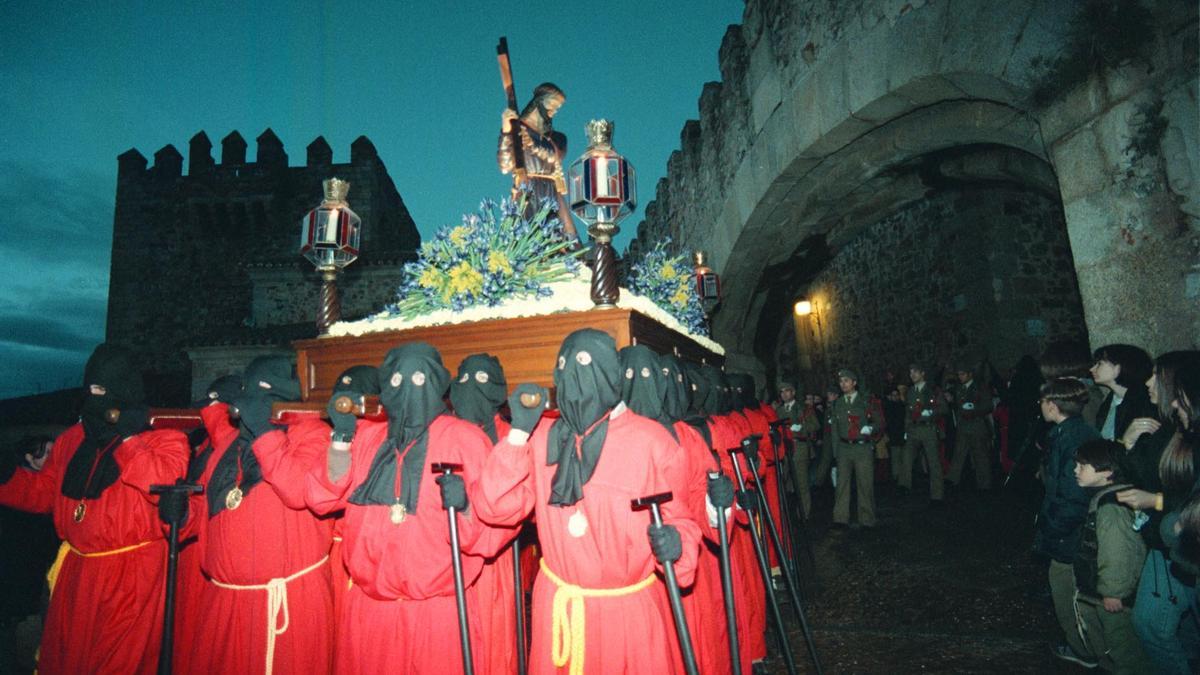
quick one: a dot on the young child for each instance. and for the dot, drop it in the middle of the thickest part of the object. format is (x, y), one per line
(1064, 507)
(1108, 563)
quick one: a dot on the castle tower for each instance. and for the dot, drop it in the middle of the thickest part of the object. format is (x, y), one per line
(205, 271)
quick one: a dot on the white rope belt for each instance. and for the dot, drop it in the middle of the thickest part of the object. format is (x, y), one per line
(277, 603)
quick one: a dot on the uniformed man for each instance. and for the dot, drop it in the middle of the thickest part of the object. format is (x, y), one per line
(825, 460)
(803, 425)
(972, 402)
(856, 422)
(923, 409)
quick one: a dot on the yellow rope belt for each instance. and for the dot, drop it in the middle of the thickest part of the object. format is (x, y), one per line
(567, 617)
(276, 604)
(66, 547)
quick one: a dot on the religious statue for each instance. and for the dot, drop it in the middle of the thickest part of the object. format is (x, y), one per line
(541, 151)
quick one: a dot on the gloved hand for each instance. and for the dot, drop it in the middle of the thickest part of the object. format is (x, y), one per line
(746, 500)
(255, 413)
(866, 430)
(926, 413)
(524, 418)
(344, 424)
(665, 542)
(173, 507)
(776, 438)
(720, 491)
(454, 492)
(968, 406)
(796, 428)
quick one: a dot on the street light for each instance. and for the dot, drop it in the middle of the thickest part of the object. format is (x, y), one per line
(329, 236)
(803, 307)
(603, 189)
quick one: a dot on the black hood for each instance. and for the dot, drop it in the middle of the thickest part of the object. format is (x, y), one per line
(644, 386)
(587, 376)
(478, 391)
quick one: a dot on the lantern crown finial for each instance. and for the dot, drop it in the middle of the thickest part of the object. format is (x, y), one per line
(599, 133)
(336, 190)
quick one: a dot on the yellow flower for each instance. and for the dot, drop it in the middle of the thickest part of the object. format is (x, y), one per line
(680, 299)
(458, 236)
(464, 279)
(430, 278)
(497, 261)
(669, 271)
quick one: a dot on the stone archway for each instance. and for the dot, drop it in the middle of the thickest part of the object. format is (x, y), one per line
(819, 105)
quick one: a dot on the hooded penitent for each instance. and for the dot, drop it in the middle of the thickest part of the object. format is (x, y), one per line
(222, 390)
(679, 390)
(721, 398)
(93, 467)
(478, 391)
(743, 391)
(644, 387)
(267, 379)
(412, 383)
(358, 380)
(587, 376)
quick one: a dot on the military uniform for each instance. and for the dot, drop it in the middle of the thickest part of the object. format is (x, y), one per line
(923, 407)
(803, 425)
(973, 437)
(850, 416)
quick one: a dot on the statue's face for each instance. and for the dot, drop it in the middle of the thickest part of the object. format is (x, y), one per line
(551, 104)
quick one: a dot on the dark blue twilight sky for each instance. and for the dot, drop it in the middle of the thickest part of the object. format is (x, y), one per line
(82, 82)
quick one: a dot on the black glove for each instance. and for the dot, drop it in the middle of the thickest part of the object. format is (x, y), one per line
(750, 448)
(173, 506)
(454, 492)
(720, 491)
(344, 424)
(776, 437)
(524, 418)
(665, 542)
(746, 500)
(255, 413)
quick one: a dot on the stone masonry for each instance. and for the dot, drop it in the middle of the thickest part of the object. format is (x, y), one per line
(820, 100)
(211, 257)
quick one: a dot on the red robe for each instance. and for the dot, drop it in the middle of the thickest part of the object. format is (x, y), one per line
(190, 581)
(703, 602)
(106, 611)
(493, 601)
(750, 604)
(598, 543)
(399, 616)
(270, 539)
(759, 424)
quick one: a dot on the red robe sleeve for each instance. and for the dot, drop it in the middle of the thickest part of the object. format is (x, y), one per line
(288, 456)
(324, 496)
(475, 535)
(700, 462)
(34, 491)
(672, 467)
(504, 494)
(160, 457)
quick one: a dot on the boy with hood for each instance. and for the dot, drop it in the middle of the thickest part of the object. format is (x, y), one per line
(107, 585)
(477, 393)
(269, 602)
(597, 606)
(401, 607)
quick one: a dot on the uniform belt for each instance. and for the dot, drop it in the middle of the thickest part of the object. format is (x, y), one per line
(567, 617)
(66, 547)
(277, 603)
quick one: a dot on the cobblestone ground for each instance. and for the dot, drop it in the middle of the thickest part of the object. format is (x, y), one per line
(953, 590)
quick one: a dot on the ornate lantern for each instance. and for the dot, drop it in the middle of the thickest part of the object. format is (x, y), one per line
(603, 187)
(329, 236)
(708, 284)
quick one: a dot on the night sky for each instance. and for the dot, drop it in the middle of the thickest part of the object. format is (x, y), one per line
(83, 82)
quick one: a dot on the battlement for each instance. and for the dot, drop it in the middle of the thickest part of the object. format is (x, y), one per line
(270, 155)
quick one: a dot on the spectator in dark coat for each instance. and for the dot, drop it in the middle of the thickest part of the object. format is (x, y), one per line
(1064, 507)
(1123, 370)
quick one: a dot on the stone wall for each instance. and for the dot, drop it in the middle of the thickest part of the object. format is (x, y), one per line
(964, 275)
(184, 245)
(288, 294)
(821, 99)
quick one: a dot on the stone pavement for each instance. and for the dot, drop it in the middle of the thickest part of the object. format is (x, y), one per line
(954, 590)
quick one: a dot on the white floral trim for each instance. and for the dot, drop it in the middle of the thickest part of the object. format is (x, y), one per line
(572, 295)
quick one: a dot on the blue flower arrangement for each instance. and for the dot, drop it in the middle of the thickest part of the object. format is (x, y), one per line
(667, 281)
(495, 254)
